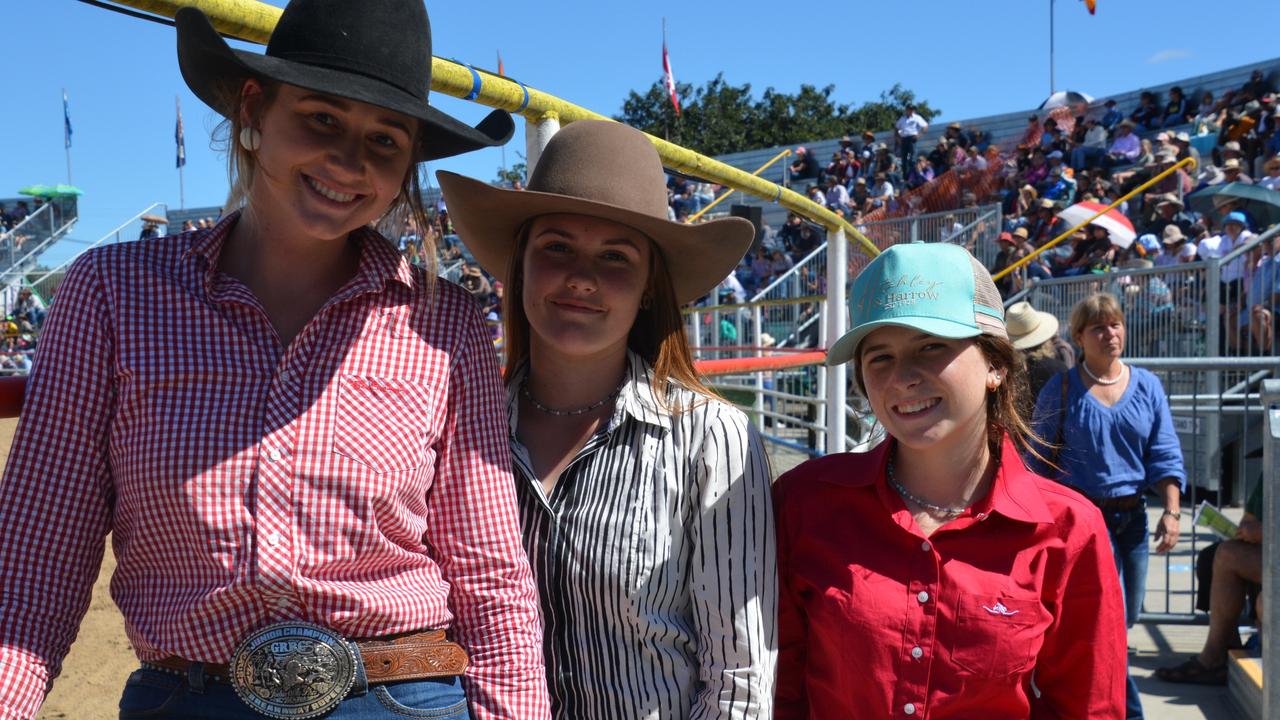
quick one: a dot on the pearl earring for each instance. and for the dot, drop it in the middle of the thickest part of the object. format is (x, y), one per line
(250, 139)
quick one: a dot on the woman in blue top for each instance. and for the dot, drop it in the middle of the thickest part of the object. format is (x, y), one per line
(1114, 439)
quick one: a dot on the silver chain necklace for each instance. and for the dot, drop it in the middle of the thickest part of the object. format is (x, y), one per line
(524, 388)
(908, 495)
(1102, 381)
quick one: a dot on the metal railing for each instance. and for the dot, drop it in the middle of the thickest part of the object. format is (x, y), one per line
(975, 228)
(46, 283)
(37, 232)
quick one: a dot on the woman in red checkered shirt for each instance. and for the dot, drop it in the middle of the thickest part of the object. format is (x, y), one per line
(281, 422)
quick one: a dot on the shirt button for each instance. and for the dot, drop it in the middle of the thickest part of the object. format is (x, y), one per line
(909, 708)
(273, 539)
(275, 455)
(917, 653)
(922, 596)
(925, 546)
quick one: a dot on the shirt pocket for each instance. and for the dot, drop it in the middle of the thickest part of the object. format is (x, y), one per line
(998, 634)
(384, 424)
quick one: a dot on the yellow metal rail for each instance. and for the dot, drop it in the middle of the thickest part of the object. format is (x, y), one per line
(717, 201)
(253, 20)
(1185, 162)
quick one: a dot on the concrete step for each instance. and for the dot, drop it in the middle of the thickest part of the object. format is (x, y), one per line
(1244, 684)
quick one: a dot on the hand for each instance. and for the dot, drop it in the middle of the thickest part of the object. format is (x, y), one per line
(1167, 531)
(1250, 531)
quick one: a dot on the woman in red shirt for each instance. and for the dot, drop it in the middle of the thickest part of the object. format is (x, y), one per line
(935, 576)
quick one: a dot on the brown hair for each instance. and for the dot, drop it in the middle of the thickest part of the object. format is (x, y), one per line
(1099, 307)
(657, 335)
(241, 164)
(1007, 406)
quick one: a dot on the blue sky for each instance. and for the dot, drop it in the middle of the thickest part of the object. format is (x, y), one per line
(971, 59)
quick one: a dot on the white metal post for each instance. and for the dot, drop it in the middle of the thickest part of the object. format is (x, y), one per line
(758, 317)
(1270, 549)
(536, 136)
(836, 313)
(821, 389)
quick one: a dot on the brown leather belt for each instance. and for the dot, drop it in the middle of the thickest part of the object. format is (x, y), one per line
(412, 656)
(1124, 502)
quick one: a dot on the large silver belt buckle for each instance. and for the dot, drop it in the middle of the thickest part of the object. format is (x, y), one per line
(293, 670)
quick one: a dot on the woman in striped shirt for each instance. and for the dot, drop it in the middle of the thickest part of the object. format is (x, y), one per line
(644, 497)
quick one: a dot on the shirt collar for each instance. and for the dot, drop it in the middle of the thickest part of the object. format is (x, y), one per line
(636, 398)
(380, 262)
(1014, 493)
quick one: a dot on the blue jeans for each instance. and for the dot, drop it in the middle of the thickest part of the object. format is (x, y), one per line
(1128, 531)
(161, 695)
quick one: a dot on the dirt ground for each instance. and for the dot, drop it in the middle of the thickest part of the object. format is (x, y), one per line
(94, 672)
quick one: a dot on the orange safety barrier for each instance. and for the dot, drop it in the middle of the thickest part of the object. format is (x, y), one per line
(13, 388)
(731, 366)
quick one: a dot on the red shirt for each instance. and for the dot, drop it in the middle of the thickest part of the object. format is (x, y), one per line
(359, 478)
(1012, 610)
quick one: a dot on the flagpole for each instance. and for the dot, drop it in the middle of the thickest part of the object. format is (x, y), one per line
(182, 195)
(66, 121)
(1052, 85)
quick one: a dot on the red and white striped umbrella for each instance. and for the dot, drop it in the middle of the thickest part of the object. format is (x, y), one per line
(1117, 225)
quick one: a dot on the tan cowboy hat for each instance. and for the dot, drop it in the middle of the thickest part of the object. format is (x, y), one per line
(1027, 326)
(605, 170)
(1169, 199)
(1172, 235)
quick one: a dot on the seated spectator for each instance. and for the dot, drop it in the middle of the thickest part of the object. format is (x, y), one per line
(1037, 170)
(1236, 572)
(1046, 225)
(1125, 147)
(921, 174)
(1112, 116)
(1255, 89)
(1147, 115)
(1061, 186)
(867, 153)
(940, 156)
(954, 136)
(1092, 148)
(1233, 173)
(882, 189)
(974, 161)
(474, 282)
(805, 166)
(1182, 143)
(837, 196)
(1271, 180)
(816, 194)
(761, 269)
(1176, 110)
(1169, 211)
(1174, 240)
(1093, 254)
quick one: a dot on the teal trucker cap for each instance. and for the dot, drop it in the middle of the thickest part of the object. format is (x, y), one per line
(936, 288)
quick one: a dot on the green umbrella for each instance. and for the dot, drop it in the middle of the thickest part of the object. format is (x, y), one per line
(36, 190)
(61, 190)
(1261, 204)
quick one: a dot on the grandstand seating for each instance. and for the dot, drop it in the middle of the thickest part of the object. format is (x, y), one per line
(1002, 130)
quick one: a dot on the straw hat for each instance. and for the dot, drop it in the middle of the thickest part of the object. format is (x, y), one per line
(1028, 327)
(605, 170)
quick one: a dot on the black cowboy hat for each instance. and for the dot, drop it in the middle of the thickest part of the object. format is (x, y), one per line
(373, 51)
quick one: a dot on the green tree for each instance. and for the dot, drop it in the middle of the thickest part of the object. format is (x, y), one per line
(508, 177)
(719, 117)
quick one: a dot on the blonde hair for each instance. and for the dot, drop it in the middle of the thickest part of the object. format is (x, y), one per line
(241, 164)
(1097, 308)
(657, 334)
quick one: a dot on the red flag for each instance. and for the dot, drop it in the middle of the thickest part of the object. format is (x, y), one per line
(1092, 5)
(670, 78)
(499, 62)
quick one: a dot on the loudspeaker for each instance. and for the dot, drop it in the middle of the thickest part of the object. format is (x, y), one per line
(755, 214)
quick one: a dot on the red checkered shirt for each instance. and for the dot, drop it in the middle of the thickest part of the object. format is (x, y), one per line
(359, 478)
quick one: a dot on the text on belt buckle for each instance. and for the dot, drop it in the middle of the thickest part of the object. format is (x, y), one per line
(293, 670)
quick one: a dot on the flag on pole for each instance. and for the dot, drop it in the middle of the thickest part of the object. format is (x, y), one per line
(666, 70)
(66, 119)
(499, 63)
(180, 139)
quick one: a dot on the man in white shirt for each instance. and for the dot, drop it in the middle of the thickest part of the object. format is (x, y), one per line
(882, 189)
(837, 194)
(908, 129)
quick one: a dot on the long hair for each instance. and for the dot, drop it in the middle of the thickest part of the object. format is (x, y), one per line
(657, 335)
(1008, 405)
(241, 165)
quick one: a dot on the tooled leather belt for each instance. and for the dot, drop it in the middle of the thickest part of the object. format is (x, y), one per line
(301, 670)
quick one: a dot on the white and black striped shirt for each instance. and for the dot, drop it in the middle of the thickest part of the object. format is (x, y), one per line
(655, 561)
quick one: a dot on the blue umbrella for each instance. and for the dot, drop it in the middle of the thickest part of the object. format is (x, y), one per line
(1258, 203)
